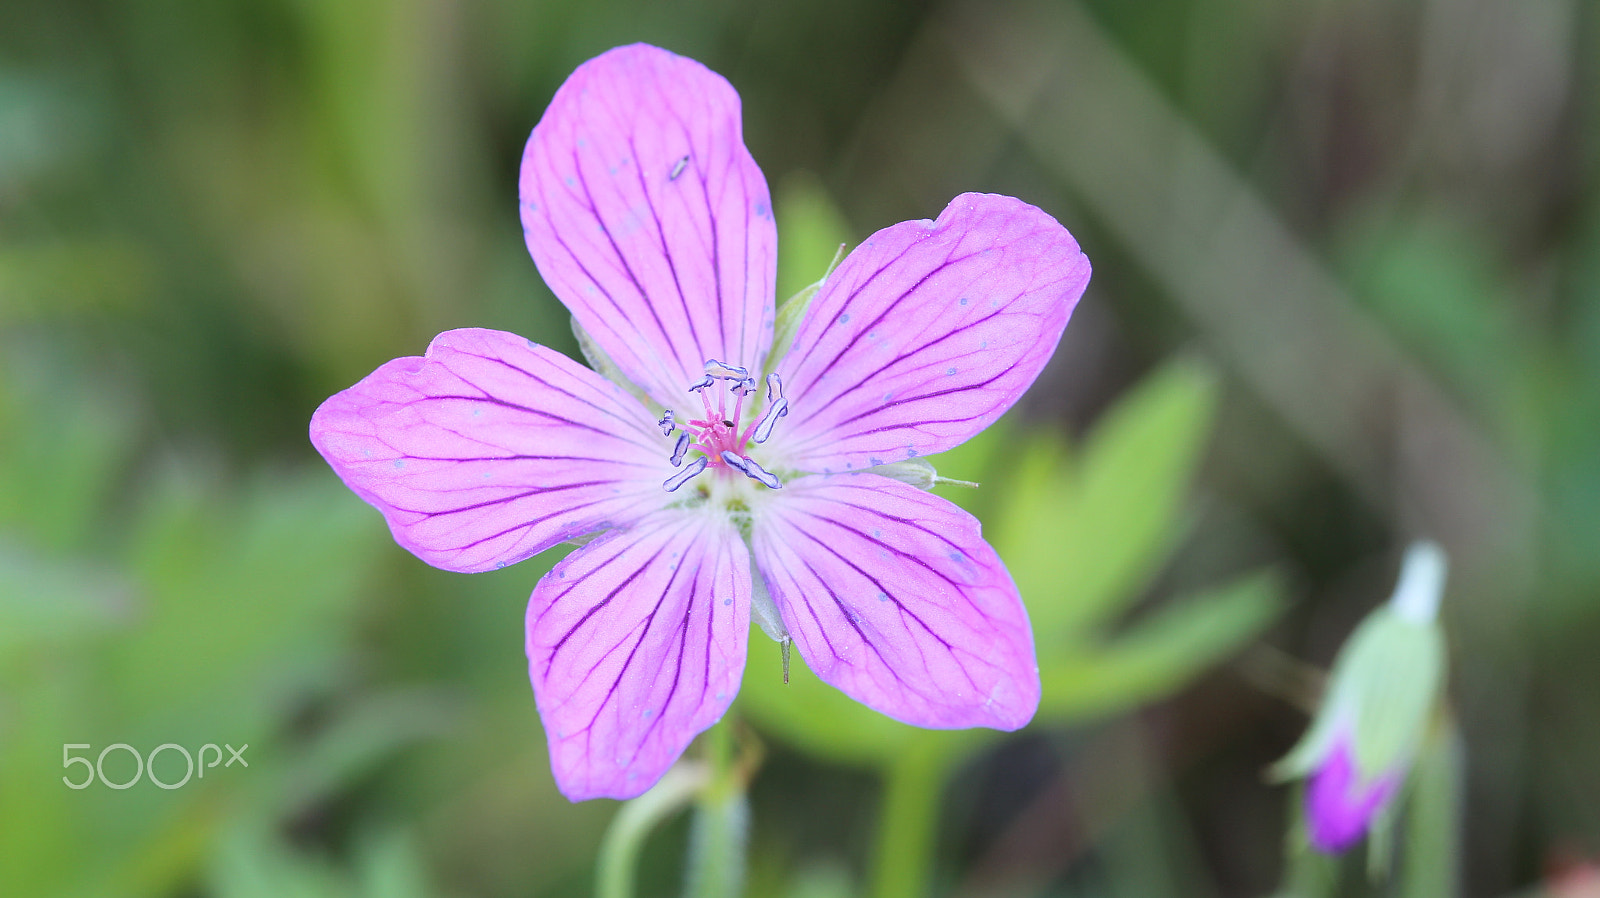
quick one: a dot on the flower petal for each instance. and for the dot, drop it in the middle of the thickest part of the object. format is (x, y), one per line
(1339, 807)
(648, 217)
(927, 333)
(636, 643)
(892, 596)
(492, 448)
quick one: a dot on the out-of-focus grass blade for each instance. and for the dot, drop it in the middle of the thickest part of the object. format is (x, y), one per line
(388, 866)
(253, 862)
(61, 447)
(250, 597)
(244, 605)
(71, 279)
(47, 602)
(358, 739)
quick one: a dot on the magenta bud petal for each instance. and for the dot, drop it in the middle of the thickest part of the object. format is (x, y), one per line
(1339, 806)
(491, 448)
(892, 596)
(649, 219)
(636, 643)
(928, 332)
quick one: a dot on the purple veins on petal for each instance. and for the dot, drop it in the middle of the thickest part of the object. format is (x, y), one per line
(488, 450)
(643, 619)
(672, 483)
(662, 274)
(856, 397)
(948, 647)
(679, 449)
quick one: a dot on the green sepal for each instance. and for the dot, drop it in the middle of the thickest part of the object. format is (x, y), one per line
(917, 472)
(600, 362)
(792, 311)
(1384, 686)
(1397, 668)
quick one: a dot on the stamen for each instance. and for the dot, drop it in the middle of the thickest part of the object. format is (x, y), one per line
(732, 460)
(770, 418)
(761, 475)
(721, 435)
(672, 483)
(725, 371)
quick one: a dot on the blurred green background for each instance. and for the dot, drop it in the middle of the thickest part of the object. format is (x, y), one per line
(1346, 294)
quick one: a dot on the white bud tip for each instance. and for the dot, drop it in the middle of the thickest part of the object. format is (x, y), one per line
(1416, 596)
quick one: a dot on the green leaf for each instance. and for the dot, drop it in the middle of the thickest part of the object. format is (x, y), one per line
(984, 460)
(1081, 539)
(1160, 654)
(819, 719)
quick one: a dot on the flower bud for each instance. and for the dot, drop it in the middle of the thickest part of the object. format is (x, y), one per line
(1383, 690)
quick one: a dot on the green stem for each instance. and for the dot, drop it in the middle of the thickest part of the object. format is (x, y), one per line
(721, 822)
(1307, 873)
(619, 852)
(908, 821)
(1433, 815)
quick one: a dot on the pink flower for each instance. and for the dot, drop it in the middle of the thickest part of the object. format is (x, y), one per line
(648, 218)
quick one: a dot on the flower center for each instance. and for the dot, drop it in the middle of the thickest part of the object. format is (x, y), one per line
(721, 434)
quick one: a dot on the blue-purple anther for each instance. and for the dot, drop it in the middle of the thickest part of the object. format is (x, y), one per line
(667, 424)
(761, 475)
(725, 371)
(672, 483)
(679, 449)
(777, 407)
